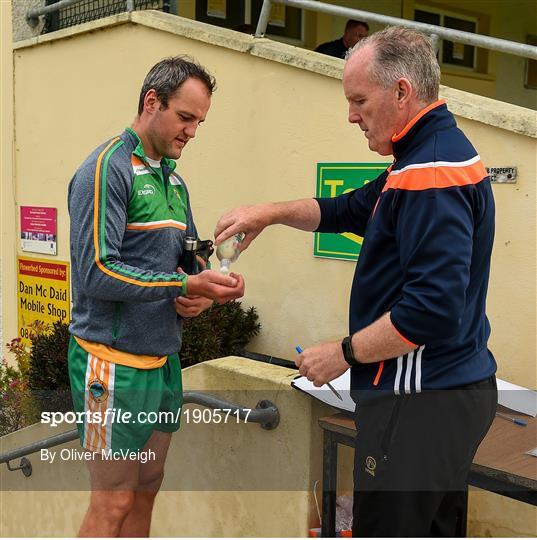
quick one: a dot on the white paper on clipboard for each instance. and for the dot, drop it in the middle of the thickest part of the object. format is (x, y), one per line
(512, 396)
(517, 398)
(342, 384)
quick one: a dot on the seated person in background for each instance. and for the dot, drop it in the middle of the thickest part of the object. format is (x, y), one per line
(354, 32)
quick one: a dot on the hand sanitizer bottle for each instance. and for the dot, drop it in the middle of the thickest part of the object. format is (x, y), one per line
(228, 252)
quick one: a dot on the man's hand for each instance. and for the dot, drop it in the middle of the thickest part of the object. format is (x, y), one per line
(216, 286)
(191, 306)
(322, 363)
(250, 220)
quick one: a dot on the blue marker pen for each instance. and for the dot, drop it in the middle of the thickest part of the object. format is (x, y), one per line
(517, 421)
(299, 350)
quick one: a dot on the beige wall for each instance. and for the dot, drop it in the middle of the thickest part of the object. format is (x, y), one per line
(269, 125)
(7, 198)
(511, 305)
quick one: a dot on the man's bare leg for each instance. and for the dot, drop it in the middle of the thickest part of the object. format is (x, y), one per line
(138, 521)
(113, 485)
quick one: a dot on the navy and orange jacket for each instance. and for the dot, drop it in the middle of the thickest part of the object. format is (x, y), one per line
(428, 228)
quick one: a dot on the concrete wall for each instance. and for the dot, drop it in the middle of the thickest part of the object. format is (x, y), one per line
(21, 29)
(278, 111)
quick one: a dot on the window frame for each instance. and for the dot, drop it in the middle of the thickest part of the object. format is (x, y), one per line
(442, 13)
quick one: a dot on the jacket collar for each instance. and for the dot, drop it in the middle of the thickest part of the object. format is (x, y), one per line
(139, 149)
(430, 119)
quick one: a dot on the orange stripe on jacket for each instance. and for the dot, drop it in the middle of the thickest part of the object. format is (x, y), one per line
(98, 262)
(437, 177)
(158, 226)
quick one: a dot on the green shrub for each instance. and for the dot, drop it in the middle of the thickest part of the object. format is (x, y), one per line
(222, 330)
(12, 395)
(18, 406)
(48, 377)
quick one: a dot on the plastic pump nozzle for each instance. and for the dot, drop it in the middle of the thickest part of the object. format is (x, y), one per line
(228, 251)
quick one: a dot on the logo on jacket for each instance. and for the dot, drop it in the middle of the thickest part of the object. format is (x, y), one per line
(97, 390)
(370, 465)
(148, 189)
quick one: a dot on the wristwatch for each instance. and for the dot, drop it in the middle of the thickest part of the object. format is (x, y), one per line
(348, 353)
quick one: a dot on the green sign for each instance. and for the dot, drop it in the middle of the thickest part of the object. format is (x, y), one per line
(334, 179)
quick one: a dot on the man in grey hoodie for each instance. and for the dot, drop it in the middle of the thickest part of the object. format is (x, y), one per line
(130, 212)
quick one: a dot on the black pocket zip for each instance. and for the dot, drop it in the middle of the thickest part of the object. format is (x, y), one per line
(116, 322)
(388, 434)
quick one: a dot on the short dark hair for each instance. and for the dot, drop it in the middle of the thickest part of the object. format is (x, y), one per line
(351, 23)
(167, 76)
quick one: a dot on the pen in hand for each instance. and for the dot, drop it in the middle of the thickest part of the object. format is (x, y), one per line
(299, 350)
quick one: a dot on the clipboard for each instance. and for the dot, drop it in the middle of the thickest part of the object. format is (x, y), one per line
(342, 384)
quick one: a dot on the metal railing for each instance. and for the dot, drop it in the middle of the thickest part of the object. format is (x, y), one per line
(265, 413)
(32, 17)
(436, 32)
(486, 42)
(65, 13)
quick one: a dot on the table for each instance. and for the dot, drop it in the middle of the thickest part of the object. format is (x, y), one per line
(500, 464)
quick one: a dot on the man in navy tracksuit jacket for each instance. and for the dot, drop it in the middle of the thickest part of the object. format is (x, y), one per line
(422, 374)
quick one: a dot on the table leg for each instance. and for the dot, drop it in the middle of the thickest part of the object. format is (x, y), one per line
(328, 524)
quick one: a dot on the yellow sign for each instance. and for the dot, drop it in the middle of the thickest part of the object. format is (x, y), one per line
(42, 293)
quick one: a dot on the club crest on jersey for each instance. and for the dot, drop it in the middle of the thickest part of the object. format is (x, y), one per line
(97, 390)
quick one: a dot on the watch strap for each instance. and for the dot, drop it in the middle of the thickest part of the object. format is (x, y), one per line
(348, 353)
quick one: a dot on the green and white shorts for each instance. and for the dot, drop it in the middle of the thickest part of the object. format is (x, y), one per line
(122, 405)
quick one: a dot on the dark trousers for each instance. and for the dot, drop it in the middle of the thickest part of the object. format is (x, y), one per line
(413, 455)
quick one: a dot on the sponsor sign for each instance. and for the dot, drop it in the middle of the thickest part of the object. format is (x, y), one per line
(42, 293)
